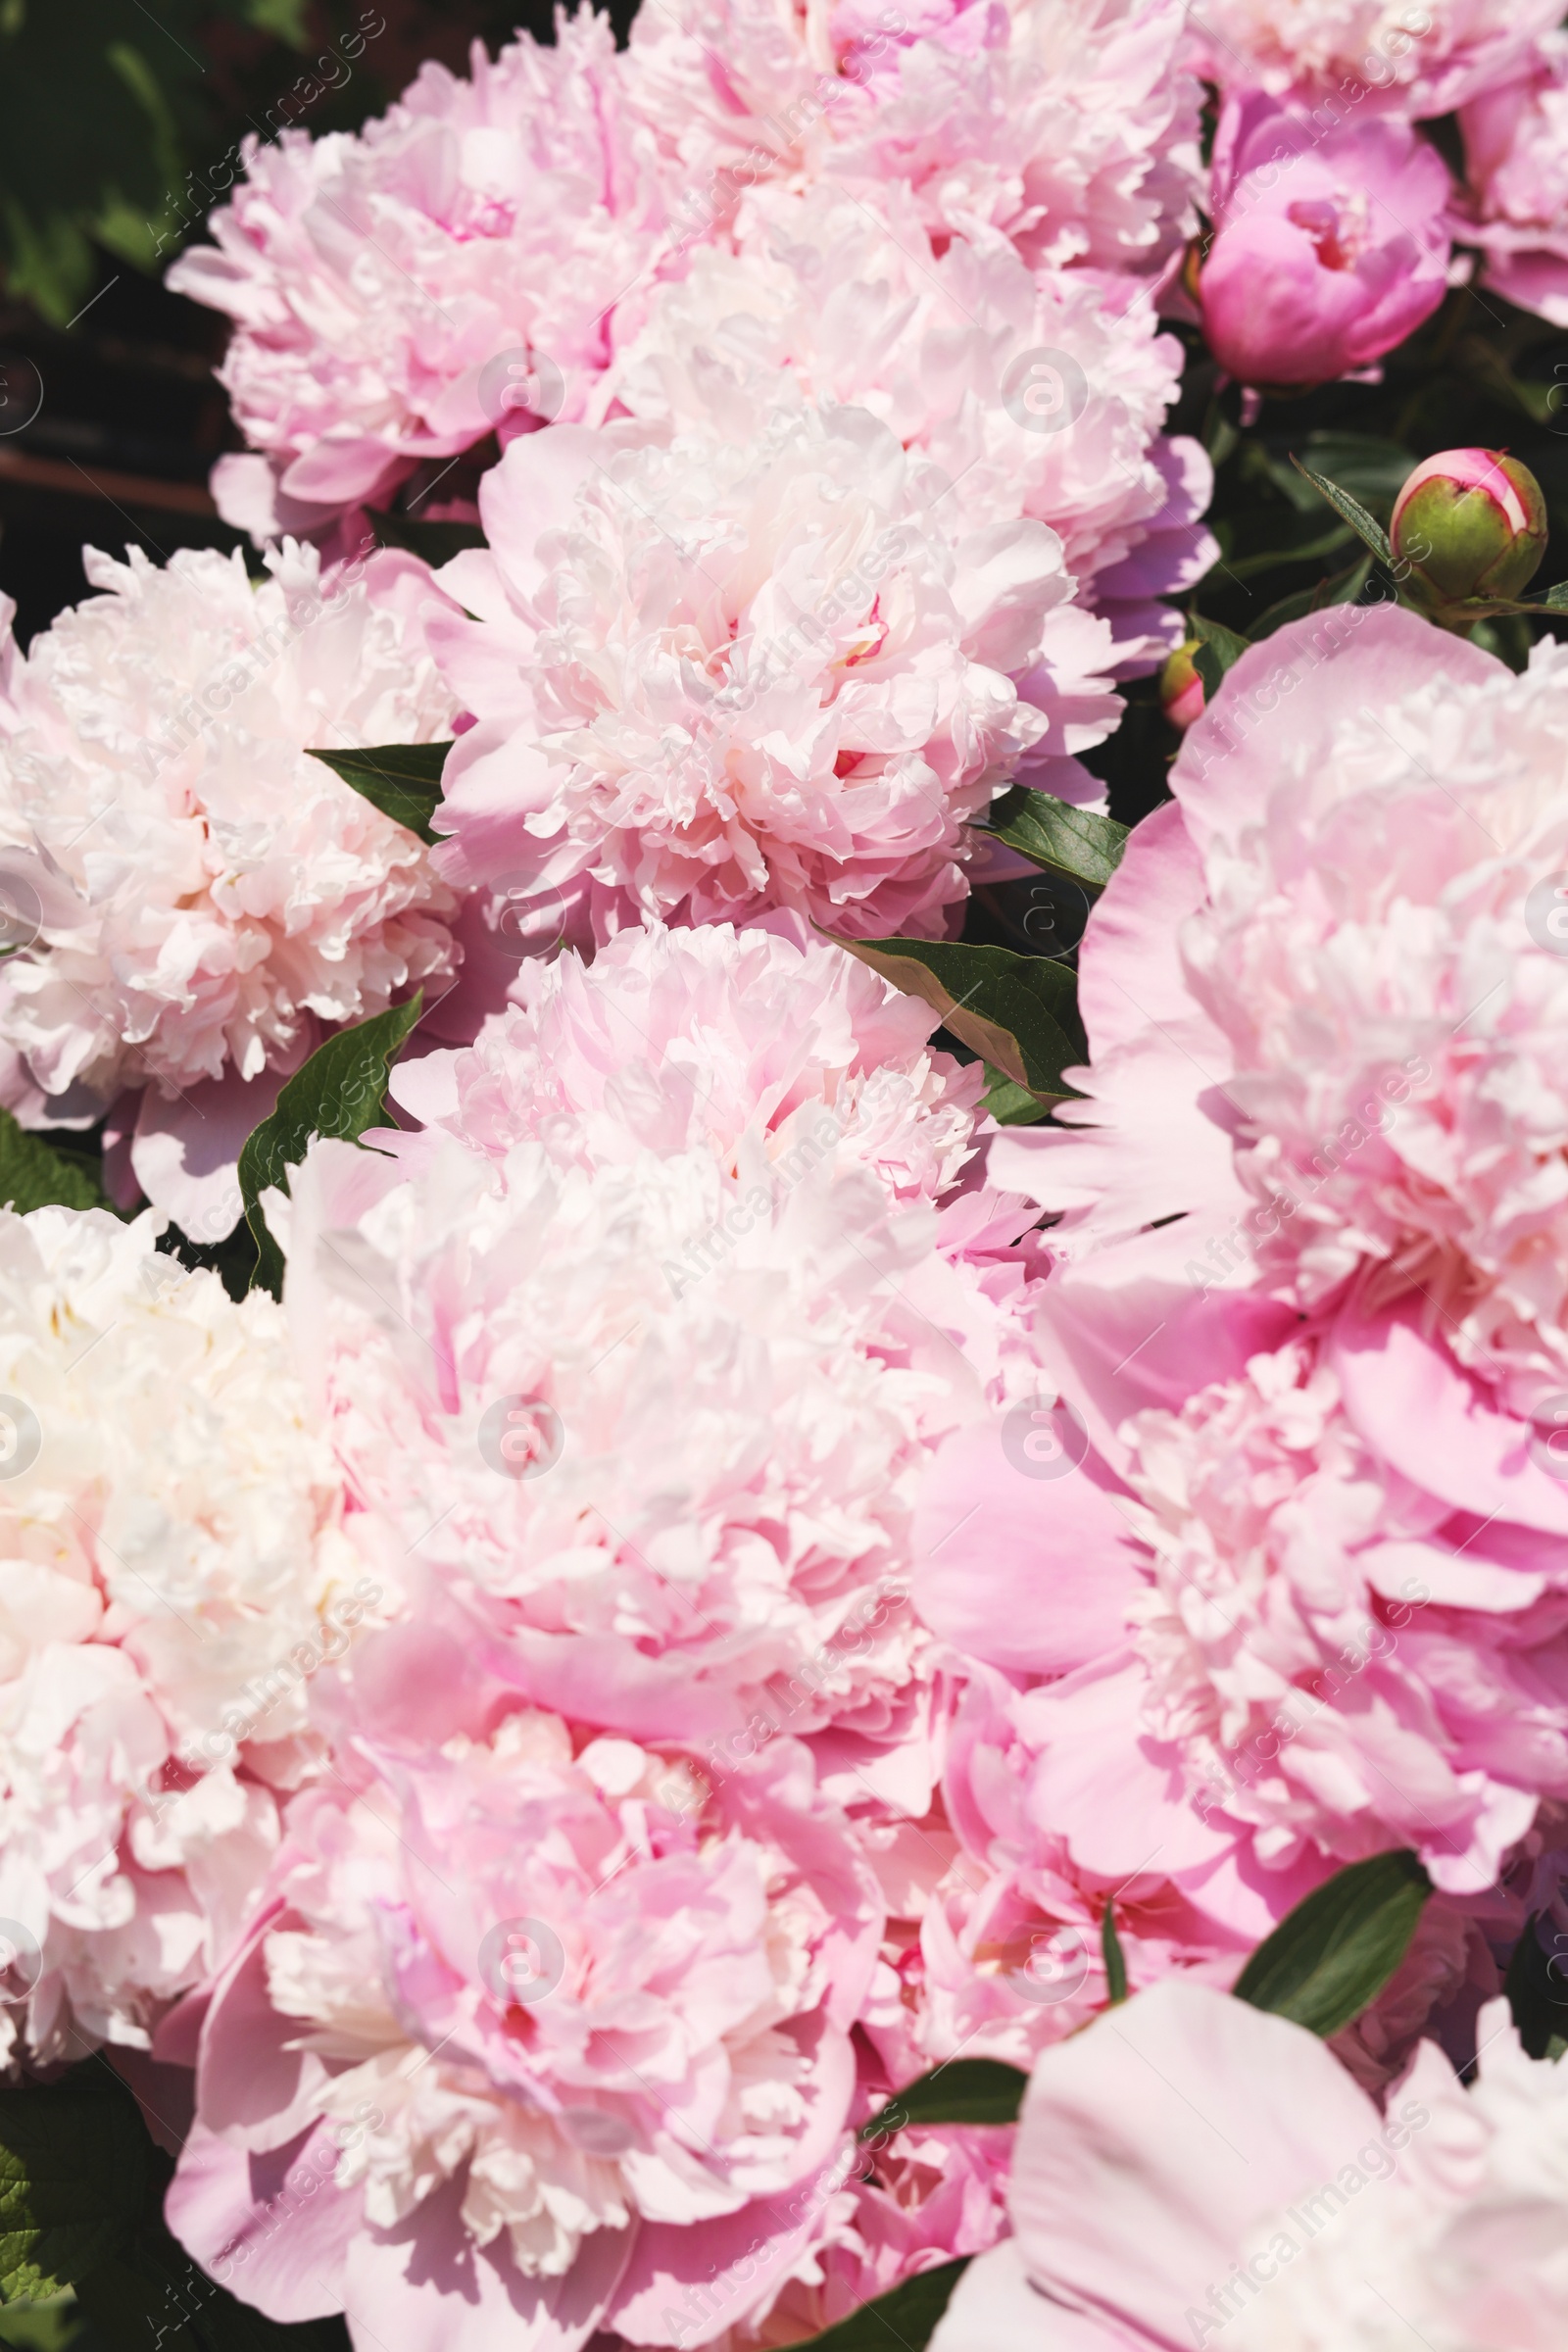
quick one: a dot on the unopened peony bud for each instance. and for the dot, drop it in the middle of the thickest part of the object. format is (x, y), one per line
(1181, 689)
(1470, 523)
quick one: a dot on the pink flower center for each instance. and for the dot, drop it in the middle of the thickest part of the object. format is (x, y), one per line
(1338, 229)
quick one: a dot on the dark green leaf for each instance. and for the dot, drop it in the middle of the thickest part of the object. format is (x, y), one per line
(1555, 599)
(401, 779)
(1350, 510)
(1341, 589)
(1335, 1952)
(436, 543)
(902, 2321)
(1019, 1012)
(32, 1173)
(1537, 1986)
(1111, 1946)
(966, 2091)
(339, 1091)
(1218, 650)
(1242, 568)
(71, 2175)
(1052, 834)
(1372, 469)
(1011, 1106)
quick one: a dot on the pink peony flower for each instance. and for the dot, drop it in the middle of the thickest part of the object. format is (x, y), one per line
(702, 1270)
(175, 1573)
(1321, 995)
(1345, 59)
(1193, 2170)
(732, 674)
(841, 298)
(1327, 251)
(677, 1041)
(1075, 138)
(1515, 204)
(375, 277)
(558, 2004)
(196, 898)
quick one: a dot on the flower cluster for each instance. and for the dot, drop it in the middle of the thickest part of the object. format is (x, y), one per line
(775, 1534)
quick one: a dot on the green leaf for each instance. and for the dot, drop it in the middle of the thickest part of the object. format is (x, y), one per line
(1555, 599)
(1011, 1106)
(902, 2321)
(339, 1091)
(1341, 589)
(1350, 510)
(1537, 1986)
(401, 779)
(1018, 1013)
(966, 2091)
(1242, 568)
(1372, 469)
(1218, 650)
(1052, 834)
(73, 2166)
(1335, 1952)
(1111, 1947)
(32, 1173)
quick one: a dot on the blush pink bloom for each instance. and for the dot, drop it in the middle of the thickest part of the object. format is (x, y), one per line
(1192, 2171)
(174, 1574)
(706, 1266)
(729, 674)
(1338, 60)
(1073, 136)
(1321, 997)
(207, 899)
(372, 277)
(841, 298)
(1515, 202)
(1328, 250)
(557, 2003)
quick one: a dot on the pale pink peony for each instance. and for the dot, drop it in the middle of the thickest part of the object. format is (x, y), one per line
(208, 897)
(372, 277)
(1073, 136)
(174, 1573)
(1329, 248)
(676, 1041)
(1323, 995)
(841, 298)
(738, 674)
(559, 2003)
(1340, 60)
(1515, 204)
(1194, 2170)
(708, 1247)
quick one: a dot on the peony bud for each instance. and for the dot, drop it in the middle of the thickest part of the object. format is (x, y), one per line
(1470, 523)
(1327, 249)
(1181, 689)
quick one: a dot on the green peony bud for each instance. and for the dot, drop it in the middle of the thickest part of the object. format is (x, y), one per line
(1470, 523)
